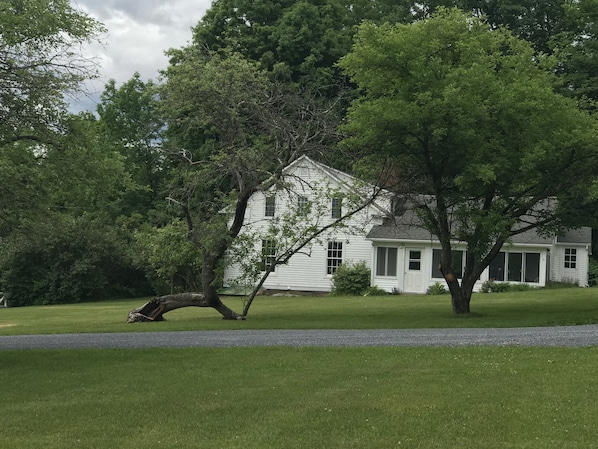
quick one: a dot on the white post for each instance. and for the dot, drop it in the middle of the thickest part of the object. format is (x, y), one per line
(3, 302)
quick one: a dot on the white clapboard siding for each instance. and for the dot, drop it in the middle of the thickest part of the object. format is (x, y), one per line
(307, 270)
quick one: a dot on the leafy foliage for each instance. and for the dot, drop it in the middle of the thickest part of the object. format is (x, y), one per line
(168, 258)
(436, 289)
(40, 63)
(470, 116)
(74, 262)
(351, 279)
(130, 125)
(492, 286)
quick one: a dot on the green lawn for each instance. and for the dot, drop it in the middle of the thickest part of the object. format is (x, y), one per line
(533, 308)
(462, 398)
(443, 398)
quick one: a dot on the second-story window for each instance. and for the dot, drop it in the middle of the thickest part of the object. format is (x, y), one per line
(337, 207)
(302, 204)
(270, 208)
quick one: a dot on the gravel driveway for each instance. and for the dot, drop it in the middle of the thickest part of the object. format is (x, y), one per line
(563, 336)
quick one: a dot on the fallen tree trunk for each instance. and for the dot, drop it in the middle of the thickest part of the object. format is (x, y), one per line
(154, 309)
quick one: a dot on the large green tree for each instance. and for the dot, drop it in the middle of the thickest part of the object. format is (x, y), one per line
(566, 28)
(576, 46)
(470, 116)
(298, 41)
(233, 130)
(40, 65)
(536, 21)
(130, 124)
(60, 242)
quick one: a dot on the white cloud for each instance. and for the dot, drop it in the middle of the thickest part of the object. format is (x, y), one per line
(139, 32)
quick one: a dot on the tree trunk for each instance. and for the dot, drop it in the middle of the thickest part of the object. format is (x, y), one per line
(155, 309)
(460, 300)
(460, 294)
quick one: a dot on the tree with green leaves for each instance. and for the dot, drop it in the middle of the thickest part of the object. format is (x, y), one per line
(60, 239)
(40, 65)
(297, 41)
(232, 130)
(566, 28)
(576, 46)
(130, 123)
(483, 143)
(536, 21)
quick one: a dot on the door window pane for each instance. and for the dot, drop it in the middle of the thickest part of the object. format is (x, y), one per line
(415, 260)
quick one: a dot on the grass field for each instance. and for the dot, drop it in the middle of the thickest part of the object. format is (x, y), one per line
(532, 308)
(443, 398)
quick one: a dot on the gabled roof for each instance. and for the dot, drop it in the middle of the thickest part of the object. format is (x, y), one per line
(344, 180)
(340, 177)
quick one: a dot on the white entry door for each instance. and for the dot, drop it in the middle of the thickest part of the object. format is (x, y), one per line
(414, 282)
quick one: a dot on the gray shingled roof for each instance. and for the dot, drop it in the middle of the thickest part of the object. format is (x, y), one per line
(406, 227)
(581, 235)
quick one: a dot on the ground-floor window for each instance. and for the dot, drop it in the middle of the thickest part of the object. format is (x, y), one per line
(268, 254)
(386, 261)
(456, 261)
(532, 267)
(334, 257)
(515, 267)
(570, 258)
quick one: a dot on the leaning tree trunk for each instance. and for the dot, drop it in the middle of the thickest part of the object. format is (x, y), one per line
(155, 309)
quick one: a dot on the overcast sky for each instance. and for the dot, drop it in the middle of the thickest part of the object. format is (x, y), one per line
(139, 31)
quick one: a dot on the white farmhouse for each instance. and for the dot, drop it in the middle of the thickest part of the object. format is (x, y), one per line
(401, 257)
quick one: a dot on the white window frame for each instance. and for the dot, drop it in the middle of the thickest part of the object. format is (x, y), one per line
(270, 206)
(302, 204)
(334, 256)
(570, 259)
(268, 255)
(382, 270)
(336, 206)
(523, 271)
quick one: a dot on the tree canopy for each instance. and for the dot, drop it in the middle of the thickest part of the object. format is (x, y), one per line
(470, 116)
(40, 64)
(233, 130)
(298, 41)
